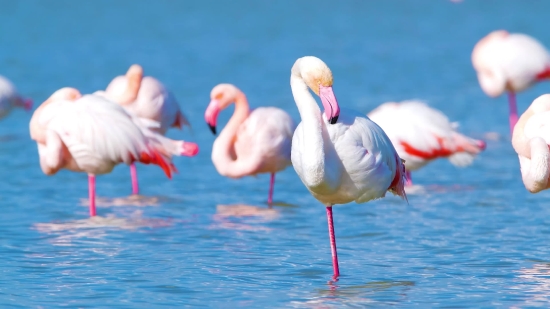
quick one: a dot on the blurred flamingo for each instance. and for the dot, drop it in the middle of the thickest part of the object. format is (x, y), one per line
(421, 134)
(147, 98)
(92, 134)
(509, 62)
(9, 98)
(340, 156)
(252, 142)
(531, 140)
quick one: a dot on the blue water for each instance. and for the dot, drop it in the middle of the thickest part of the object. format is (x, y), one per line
(471, 237)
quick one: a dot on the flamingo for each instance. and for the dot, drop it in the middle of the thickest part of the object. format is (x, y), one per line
(341, 156)
(531, 140)
(421, 134)
(509, 62)
(92, 134)
(9, 98)
(252, 142)
(147, 98)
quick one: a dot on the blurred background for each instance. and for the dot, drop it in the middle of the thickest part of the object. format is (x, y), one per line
(473, 238)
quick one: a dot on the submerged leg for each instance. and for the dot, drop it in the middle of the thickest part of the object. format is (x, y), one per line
(271, 186)
(335, 268)
(513, 111)
(133, 174)
(91, 193)
(408, 178)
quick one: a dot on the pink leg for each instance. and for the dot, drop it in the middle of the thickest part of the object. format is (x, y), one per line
(408, 178)
(133, 173)
(513, 111)
(335, 268)
(91, 193)
(271, 186)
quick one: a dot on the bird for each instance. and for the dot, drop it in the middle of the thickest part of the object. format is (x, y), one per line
(340, 155)
(253, 141)
(10, 98)
(531, 139)
(147, 98)
(509, 62)
(421, 134)
(92, 134)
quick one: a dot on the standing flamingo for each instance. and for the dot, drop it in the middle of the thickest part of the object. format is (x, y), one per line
(252, 142)
(421, 134)
(9, 98)
(147, 98)
(340, 156)
(509, 62)
(91, 134)
(531, 140)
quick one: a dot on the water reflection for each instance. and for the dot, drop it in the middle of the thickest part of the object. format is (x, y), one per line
(244, 217)
(356, 295)
(132, 200)
(535, 284)
(96, 227)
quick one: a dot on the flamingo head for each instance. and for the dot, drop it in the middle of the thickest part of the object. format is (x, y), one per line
(318, 77)
(221, 97)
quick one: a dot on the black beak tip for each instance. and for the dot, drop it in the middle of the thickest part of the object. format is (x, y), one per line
(333, 120)
(212, 128)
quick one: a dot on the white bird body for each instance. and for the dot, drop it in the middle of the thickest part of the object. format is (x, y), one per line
(421, 134)
(351, 160)
(264, 136)
(509, 62)
(355, 160)
(153, 101)
(10, 98)
(531, 141)
(92, 135)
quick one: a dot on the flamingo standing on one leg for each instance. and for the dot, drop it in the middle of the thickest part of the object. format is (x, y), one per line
(9, 98)
(147, 98)
(531, 140)
(91, 134)
(252, 142)
(340, 156)
(421, 134)
(509, 62)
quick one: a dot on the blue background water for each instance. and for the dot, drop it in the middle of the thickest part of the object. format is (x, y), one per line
(473, 238)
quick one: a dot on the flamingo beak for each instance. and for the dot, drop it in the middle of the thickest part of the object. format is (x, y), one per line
(330, 104)
(211, 115)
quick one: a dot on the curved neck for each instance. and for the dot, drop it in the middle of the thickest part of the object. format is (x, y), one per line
(223, 151)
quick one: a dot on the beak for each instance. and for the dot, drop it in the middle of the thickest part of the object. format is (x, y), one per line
(330, 104)
(211, 115)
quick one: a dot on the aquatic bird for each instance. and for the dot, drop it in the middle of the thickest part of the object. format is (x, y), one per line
(510, 62)
(10, 98)
(92, 134)
(421, 134)
(340, 155)
(147, 98)
(252, 142)
(531, 140)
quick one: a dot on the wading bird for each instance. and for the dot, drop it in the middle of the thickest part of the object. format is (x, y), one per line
(252, 142)
(341, 156)
(147, 98)
(509, 62)
(421, 134)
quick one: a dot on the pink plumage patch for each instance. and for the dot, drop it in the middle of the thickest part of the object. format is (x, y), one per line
(156, 158)
(429, 154)
(544, 74)
(397, 186)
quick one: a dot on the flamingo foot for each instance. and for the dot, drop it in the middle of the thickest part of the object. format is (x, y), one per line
(271, 186)
(513, 111)
(91, 194)
(335, 268)
(135, 184)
